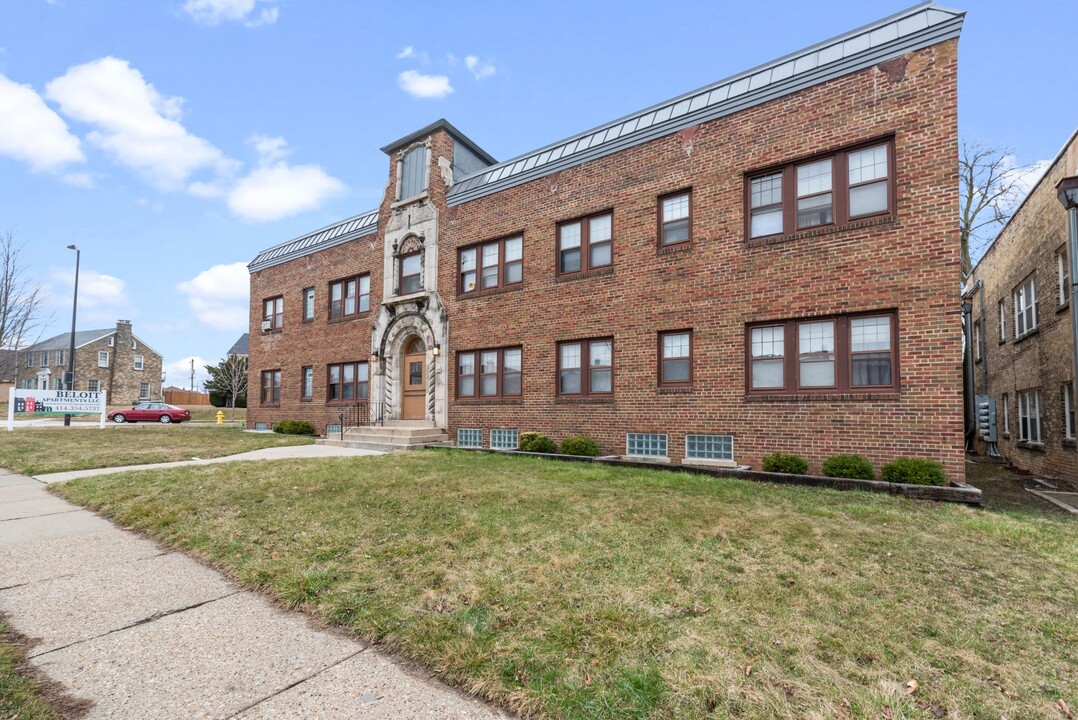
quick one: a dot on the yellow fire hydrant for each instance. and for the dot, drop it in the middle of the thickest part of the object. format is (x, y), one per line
(220, 417)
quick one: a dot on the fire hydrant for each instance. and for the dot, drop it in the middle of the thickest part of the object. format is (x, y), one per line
(220, 418)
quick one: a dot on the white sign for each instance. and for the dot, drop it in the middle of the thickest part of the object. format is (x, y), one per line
(54, 402)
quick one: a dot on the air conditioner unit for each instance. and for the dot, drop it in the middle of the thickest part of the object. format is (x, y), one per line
(267, 325)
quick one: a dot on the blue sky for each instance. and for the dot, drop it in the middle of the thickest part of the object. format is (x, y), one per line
(171, 140)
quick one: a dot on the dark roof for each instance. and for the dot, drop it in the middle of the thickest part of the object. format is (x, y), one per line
(239, 347)
(63, 341)
(440, 124)
(365, 223)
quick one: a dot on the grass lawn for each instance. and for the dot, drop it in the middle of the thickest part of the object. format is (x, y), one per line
(576, 591)
(35, 451)
(20, 697)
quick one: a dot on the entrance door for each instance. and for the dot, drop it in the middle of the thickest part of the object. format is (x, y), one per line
(415, 380)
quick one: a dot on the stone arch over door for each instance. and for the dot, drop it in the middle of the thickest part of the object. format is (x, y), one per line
(389, 375)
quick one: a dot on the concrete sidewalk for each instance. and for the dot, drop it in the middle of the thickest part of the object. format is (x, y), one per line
(143, 632)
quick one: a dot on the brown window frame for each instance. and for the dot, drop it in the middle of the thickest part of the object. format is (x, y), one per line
(274, 388)
(303, 394)
(343, 282)
(502, 265)
(662, 223)
(401, 275)
(585, 368)
(585, 244)
(840, 190)
(478, 374)
(356, 383)
(273, 310)
(843, 356)
(661, 369)
(308, 317)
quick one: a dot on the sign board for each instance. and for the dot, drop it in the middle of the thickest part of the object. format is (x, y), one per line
(54, 402)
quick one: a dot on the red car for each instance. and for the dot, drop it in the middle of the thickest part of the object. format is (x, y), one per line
(151, 412)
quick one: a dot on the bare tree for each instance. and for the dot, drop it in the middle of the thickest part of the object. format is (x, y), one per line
(228, 378)
(991, 188)
(21, 300)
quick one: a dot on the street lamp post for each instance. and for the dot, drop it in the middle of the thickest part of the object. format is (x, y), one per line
(1068, 196)
(71, 348)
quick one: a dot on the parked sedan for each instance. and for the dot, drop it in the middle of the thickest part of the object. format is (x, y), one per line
(151, 412)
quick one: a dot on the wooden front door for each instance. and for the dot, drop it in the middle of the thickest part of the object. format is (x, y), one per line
(415, 382)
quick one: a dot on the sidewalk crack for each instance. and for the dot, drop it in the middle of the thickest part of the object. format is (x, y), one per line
(58, 512)
(302, 680)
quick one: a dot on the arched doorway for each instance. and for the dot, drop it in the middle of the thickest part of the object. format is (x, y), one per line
(414, 376)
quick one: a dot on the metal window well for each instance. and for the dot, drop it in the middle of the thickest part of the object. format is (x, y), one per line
(646, 444)
(709, 447)
(504, 439)
(469, 437)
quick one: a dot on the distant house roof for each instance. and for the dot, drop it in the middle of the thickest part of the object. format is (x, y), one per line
(63, 341)
(240, 346)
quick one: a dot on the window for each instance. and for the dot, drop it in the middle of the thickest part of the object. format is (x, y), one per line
(586, 368)
(829, 190)
(646, 444)
(271, 387)
(840, 354)
(1064, 277)
(675, 219)
(134, 345)
(585, 244)
(308, 304)
(102, 358)
(61, 358)
(112, 341)
(273, 313)
(490, 373)
(347, 382)
(140, 362)
(411, 273)
(144, 391)
(350, 296)
(504, 439)
(709, 447)
(1029, 417)
(1005, 401)
(307, 383)
(93, 385)
(1002, 321)
(470, 437)
(494, 264)
(413, 170)
(675, 358)
(30, 359)
(1066, 392)
(1025, 307)
(44, 358)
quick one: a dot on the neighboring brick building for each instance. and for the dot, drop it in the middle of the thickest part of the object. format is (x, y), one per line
(764, 264)
(1025, 333)
(113, 360)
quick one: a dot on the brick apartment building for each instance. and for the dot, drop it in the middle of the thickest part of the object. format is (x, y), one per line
(113, 359)
(1024, 335)
(767, 263)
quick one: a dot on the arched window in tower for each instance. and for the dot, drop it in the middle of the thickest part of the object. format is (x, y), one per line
(413, 170)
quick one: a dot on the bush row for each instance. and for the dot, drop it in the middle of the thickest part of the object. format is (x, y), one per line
(293, 427)
(575, 445)
(912, 471)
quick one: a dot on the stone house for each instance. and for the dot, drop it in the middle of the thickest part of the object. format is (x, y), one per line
(1024, 342)
(763, 264)
(113, 359)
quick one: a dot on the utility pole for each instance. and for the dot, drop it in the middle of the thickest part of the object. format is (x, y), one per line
(192, 374)
(70, 379)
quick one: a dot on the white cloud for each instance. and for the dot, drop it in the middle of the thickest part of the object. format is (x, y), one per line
(134, 123)
(406, 53)
(479, 69)
(215, 12)
(80, 179)
(281, 190)
(419, 85)
(32, 132)
(270, 149)
(102, 298)
(218, 296)
(1024, 177)
(179, 373)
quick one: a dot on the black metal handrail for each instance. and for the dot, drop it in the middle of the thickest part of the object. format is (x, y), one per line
(359, 414)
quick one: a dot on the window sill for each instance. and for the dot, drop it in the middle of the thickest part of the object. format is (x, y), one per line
(885, 396)
(410, 297)
(565, 400)
(1034, 447)
(408, 201)
(269, 405)
(818, 231)
(305, 399)
(676, 390)
(1031, 333)
(1064, 307)
(683, 246)
(489, 291)
(1069, 442)
(349, 318)
(490, 401)
(598, 272)
(274, 331)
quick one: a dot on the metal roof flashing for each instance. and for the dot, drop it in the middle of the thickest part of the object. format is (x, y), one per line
(912, 29)
(366, 223)
(440, 124)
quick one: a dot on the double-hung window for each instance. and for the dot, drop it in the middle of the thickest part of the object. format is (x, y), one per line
(499, 263)
(495, 373)
(1005, 403)
(675, 358)
(350, 296)
(347, 382)
(307, 383)
(44, 358)
(585, 244)
(140, 362)
(273, 313)
(831, 189)
(1029, 417)
(102, 358)
(271, 387)
(586, 368)
(144, 391)
(93, 385)
(308, 304)
(1002, 321)
(675, 219)
(1025, 307)
(1064, 270)
(61, 357)
(410, 267)
(1067, 401)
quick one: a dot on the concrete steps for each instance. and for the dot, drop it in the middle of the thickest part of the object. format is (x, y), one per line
(394, 435)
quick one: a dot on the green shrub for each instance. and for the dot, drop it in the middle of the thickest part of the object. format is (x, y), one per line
(293, 427)
(537, 442)
(915, 471)
(579, 445)
(857, 467)
(785, 463)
